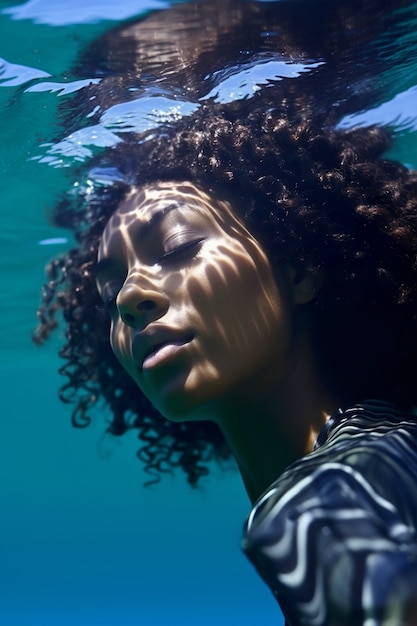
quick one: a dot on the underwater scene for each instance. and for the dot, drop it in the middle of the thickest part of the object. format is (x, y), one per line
(82, 540)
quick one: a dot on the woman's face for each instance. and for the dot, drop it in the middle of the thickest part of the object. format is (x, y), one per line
(196, 313)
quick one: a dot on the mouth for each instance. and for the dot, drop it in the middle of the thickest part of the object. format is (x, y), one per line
(157, 346)
(162, 353)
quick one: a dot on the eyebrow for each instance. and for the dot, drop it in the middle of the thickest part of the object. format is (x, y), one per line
(154, 220)
(143, 232)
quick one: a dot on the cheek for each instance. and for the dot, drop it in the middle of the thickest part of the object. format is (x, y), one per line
(235, 298)
(120, 344)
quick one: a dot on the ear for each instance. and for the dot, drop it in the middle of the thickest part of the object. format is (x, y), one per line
(304, 284)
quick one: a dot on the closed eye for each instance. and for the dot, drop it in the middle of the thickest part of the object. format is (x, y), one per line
(182, 252)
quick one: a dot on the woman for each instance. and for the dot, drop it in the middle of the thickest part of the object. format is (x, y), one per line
(273, 296)
(244, 285)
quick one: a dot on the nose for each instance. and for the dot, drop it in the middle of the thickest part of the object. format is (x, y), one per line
(139, 306)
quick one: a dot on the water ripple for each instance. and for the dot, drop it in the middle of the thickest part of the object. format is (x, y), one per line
(12, 74)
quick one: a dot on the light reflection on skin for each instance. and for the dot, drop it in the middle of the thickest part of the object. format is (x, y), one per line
(183, 271)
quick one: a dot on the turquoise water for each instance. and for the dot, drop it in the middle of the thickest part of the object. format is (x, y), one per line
(80, 540)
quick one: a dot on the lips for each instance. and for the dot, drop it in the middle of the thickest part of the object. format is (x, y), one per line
(155, 345)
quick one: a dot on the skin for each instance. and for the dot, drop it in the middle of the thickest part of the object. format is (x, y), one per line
(209, 330)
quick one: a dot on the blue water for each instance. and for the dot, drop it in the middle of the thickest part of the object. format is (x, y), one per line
(81, 541)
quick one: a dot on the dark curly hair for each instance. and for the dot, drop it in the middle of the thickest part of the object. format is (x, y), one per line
(319, 198)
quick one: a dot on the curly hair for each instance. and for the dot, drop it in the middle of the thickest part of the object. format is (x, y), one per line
(321, 199)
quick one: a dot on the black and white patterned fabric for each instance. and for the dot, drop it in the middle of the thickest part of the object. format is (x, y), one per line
(335, 537)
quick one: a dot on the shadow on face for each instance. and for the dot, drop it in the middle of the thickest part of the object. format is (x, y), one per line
(198, 315)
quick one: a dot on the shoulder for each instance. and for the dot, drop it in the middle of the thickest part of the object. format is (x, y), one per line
(366, 456)
(369, 422)
(342, 519)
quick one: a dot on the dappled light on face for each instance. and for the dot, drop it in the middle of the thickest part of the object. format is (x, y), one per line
(197, 314)
(236, 297)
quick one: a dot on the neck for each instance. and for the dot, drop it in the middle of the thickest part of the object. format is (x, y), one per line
(278, 424)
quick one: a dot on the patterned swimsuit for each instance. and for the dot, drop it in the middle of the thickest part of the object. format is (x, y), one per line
(335, 537)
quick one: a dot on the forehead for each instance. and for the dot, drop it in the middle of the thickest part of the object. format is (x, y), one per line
(144, 202)
(145, 205)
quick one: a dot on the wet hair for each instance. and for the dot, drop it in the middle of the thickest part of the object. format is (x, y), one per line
(324, 200)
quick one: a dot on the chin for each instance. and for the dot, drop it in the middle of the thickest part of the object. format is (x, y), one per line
(183, 396)
(186, 405)
(183, 409)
